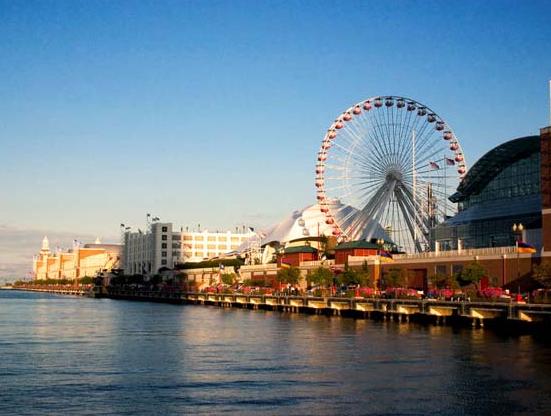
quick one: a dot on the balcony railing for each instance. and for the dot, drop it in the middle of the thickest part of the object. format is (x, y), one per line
(469, 252)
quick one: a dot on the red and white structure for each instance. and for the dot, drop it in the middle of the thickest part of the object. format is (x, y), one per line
(396, 162)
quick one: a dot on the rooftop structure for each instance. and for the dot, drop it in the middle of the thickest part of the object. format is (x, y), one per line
(500, 190)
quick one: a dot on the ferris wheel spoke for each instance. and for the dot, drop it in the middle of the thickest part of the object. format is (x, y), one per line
(365, 136)
(406, 136)
(355, 138)
(417, 127)
(363, 159)
(409, 223)
(383, 131)
(379, 134)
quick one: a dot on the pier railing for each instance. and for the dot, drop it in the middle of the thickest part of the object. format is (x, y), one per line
(470, 252)
(440, 310)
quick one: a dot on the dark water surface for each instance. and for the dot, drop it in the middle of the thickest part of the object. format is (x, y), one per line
(68, 355)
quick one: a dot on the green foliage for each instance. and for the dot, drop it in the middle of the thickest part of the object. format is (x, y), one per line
(228, 278)
(360, 277)
(321, 277)
(236, 263)
(542, 274)
(471, 273)
(395, 278)
(155, 279)
(289, 275)
(443, 281)
(247, 282)
(86, 280)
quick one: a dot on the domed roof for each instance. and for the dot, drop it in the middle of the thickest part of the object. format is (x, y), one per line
(492, 163)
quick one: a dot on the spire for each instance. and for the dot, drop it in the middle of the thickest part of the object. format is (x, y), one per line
(45, 244)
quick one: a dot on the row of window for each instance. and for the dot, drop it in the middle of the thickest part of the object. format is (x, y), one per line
(520, 179)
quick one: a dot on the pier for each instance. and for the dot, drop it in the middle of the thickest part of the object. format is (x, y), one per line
(75, 291)
(438, 312)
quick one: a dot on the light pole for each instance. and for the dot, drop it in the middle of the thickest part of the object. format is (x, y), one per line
(517, 230)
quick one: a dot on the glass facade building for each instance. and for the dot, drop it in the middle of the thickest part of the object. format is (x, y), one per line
(501, 189)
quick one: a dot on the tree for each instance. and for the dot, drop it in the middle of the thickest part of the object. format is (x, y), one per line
(321, 277)
(135, 279)
(395, 278)
(155, 279)
(289, 275)
(443, 281)
(542, 274)
(360, 277)
(349, 277)
(228, 278)
(86, 280)
(471, 274)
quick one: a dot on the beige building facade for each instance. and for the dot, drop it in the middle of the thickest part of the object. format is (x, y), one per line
(76, 263)
(162, 246)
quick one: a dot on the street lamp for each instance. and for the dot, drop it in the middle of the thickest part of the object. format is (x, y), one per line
(380, 242)
(517, 230)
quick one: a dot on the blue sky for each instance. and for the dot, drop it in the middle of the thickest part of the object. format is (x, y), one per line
(212, 112)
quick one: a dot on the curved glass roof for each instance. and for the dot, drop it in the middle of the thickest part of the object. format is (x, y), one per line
(492, 163)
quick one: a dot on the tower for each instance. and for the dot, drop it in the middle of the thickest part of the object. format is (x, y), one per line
(45, 249)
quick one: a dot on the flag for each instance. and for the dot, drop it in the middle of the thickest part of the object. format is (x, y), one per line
(387, 256)
(285, 265)
(523, 247)
(450, 162)
(434, 165)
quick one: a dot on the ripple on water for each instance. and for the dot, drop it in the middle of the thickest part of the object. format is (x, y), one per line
(86, 356)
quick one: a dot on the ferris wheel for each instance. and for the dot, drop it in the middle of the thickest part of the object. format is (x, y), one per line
(395, 162)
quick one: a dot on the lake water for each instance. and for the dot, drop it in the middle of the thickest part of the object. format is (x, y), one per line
(69, 355)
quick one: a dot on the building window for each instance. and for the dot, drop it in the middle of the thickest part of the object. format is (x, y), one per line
(163, 245)
(163, 262)
(165, 229)
(163, 237)
(163, 254)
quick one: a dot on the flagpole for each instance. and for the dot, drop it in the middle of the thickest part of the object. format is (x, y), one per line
(445, 187)
(414, 190)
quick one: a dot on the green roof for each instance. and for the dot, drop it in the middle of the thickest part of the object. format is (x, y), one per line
(357, 244)
(300, 249)
(492, 163)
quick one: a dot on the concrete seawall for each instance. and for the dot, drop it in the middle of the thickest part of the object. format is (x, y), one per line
(477, 314)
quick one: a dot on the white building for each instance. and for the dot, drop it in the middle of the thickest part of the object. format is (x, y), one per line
(162, 246)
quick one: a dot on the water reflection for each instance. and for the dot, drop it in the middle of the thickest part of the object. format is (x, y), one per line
(82, 355)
